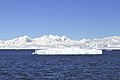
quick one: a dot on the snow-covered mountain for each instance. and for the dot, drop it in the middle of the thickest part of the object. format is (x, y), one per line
(57, 41)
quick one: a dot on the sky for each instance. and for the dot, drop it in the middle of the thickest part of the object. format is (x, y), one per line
(75, 19)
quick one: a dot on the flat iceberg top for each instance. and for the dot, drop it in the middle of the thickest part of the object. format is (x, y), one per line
(67, 51)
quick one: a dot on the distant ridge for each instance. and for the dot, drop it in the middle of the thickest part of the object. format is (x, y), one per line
(60, 41)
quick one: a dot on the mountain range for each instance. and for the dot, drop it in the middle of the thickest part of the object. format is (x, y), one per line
(60, 42)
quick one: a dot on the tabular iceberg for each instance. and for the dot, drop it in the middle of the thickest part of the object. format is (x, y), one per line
(67, 51)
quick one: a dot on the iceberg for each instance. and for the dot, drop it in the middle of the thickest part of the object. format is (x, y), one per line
(68, 51)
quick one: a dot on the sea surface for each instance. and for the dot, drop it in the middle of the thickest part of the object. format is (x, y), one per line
(17, 66)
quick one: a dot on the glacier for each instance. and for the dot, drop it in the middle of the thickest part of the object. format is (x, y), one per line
(54, 44)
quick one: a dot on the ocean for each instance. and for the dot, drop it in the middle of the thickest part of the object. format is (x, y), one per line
(14, 65)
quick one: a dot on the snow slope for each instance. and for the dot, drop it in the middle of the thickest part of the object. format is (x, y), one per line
(57, 41)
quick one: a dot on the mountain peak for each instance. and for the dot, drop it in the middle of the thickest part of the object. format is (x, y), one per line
(24, 39)
(25, 36)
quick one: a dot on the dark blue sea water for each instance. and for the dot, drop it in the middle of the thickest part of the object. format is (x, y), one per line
(39, 67)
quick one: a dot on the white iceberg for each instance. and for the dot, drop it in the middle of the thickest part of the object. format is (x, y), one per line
(67, 51)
